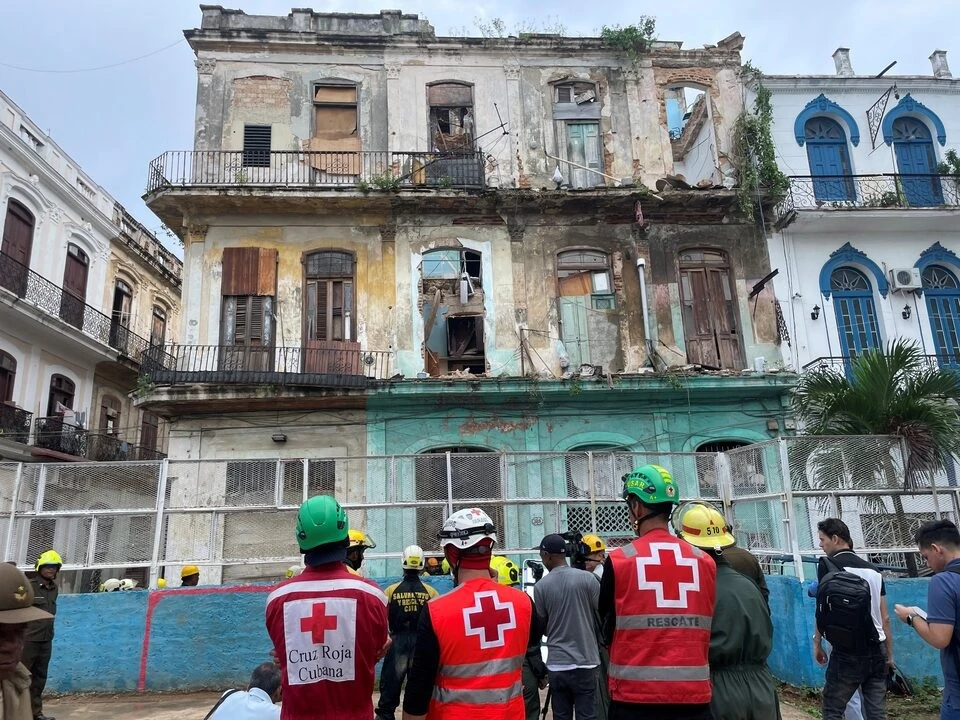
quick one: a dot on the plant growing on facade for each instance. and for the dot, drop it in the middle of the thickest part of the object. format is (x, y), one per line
(893, 391)
(385, 181)
(950, 166)
(631, 40)
(756, 156)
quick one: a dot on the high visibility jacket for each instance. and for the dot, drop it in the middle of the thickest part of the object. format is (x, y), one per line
(327, 627)
(405, 601)
(482, 629)
(663, 600)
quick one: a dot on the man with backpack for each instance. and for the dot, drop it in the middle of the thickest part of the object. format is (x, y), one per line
(852, 616)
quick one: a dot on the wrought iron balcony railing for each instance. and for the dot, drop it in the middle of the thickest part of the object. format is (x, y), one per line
(15, 424)
(110, 448)
(810, 192)
(54, 300)
(52, 433)
(841, 363)
(362, 170)
(326, 364)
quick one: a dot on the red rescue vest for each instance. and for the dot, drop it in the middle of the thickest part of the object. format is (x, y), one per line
(664, 594)
(483, 629)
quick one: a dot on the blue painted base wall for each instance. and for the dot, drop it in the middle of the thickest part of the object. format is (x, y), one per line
(214, 637)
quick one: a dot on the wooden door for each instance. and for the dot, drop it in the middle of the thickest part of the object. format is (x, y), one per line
(16, 248)
(583, 148)
(709, 318)
(72, 300)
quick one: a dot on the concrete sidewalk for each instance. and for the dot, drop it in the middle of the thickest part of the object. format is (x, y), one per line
(191, 706)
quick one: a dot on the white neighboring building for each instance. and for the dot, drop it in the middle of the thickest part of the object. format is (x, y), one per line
(867, 242)
(84, 290)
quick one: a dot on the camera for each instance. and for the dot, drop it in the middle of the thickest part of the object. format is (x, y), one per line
(576, 550)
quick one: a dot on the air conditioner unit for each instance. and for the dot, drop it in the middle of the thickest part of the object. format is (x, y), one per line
(907, 278)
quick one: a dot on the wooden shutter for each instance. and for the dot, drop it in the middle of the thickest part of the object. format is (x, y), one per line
(249, 271)
(149, 431)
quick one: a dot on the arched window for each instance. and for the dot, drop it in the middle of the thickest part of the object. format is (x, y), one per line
(8, 374)
(829, 160)
(62, 390)
(942, 290)
(16, 247)
(608, 469)
(856, 315)
(73, 298)
(110, 414)
(576, 115)
(916, 163)
(474, 473)
(452, 124)
(710, 317)
(120, 314)
(329, 300)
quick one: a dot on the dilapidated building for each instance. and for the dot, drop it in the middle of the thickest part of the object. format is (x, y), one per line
(399, 243)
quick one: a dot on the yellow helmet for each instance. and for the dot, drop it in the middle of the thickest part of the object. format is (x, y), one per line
(358, 538)
(507, 571)
(161, 582)
(50, 557)
(593, 543)
(189, 570)
(702, 525)
(445, 566)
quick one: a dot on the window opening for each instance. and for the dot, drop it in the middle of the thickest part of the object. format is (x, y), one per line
(8, 373)
(329, 314)
(60, 399)
(149, 431)
(452, 127)
(709, 310)
(690, 127)
(256, 145)
(110, 414)
(158, 329)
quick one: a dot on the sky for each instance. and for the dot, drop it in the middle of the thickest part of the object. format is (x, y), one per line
(114, 121)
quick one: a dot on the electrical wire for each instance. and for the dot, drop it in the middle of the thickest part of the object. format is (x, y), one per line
(91, 69)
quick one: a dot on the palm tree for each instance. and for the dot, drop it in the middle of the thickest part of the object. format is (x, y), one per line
(894, 391)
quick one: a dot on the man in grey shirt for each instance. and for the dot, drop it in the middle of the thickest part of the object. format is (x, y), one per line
(566, 603)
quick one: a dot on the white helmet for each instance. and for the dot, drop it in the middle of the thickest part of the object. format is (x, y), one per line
(413, 557)
(128, 584)
(466, 528)
(294, 570)
(110, 585)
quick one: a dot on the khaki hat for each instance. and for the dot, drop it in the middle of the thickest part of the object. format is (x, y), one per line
(16, 598)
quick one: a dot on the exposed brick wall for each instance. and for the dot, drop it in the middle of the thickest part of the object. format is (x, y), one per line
(262, 93)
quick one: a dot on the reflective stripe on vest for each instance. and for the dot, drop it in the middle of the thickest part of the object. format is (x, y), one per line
(477, 697)
(491, 667)
(684, 672)
(658, 622)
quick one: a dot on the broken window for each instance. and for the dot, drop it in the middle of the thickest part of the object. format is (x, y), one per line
(709, 310)
(336, 134)
(452, 127)
(689, 121)
(585, 297)
(465, 343)
(451, 264)
(586, 273)
(576, 115)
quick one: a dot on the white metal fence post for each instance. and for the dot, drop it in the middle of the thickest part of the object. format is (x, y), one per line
(449, 483)
(14, 500)
(158, 523)
(591, 484)
(789, 520)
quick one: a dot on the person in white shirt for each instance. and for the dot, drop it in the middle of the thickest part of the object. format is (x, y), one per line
(257, 702)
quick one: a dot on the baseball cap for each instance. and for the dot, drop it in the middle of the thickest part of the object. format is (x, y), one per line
(553, 545)
(16, 598)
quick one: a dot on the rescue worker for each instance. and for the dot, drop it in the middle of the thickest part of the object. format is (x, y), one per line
(594, 553)
(17, 611)
(405, 602)
(742, 632)
(189, 576)
(328, 627)
(471, 642)
(39, 638)
(359, 542)
(534, 671)
(433, 566)
(656, 601)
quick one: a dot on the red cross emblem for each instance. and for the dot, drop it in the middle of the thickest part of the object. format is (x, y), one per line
(318, 623)
(489, 619)
(670, 575)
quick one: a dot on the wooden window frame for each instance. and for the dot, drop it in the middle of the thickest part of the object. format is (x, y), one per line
(348, 310)
(159, 314)
(711, 259)
(600, 299)
(8, 372)
(62, 389)
(469, 134)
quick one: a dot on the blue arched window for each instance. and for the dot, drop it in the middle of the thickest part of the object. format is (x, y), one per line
(829, 160)
(856, 314)
(942, 290)
(913, 148)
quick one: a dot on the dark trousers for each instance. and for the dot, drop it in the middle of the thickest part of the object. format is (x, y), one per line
(531, 692)
(36, 658)
(846, 672)
(396, 665)
(574, 691)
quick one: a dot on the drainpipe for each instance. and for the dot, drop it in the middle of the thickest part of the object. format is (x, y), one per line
(645, 311)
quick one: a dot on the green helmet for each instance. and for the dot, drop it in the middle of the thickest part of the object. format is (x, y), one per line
(651, 484)
(321, 520)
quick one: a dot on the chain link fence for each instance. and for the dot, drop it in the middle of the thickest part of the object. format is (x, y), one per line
(235, 518)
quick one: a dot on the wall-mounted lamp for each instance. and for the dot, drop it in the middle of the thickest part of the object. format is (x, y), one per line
(815, 313)
(278, 437)
(906, 312)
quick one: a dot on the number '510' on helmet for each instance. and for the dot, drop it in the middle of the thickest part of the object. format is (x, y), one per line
(321, 521)
(651, 485)
(701, 524)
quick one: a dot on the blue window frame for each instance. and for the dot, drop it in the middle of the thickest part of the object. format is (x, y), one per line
(942, 290)
(856, 315)
(913, 148)
(829, 160)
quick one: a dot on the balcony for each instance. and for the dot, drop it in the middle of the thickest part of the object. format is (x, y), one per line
(326, 365)
(110, 448)
(52, 433)
(841, 363)
(53, 300)
(364, 171)
(15, 424)
(812, 192)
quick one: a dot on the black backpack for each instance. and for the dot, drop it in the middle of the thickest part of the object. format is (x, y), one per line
(843, 609)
